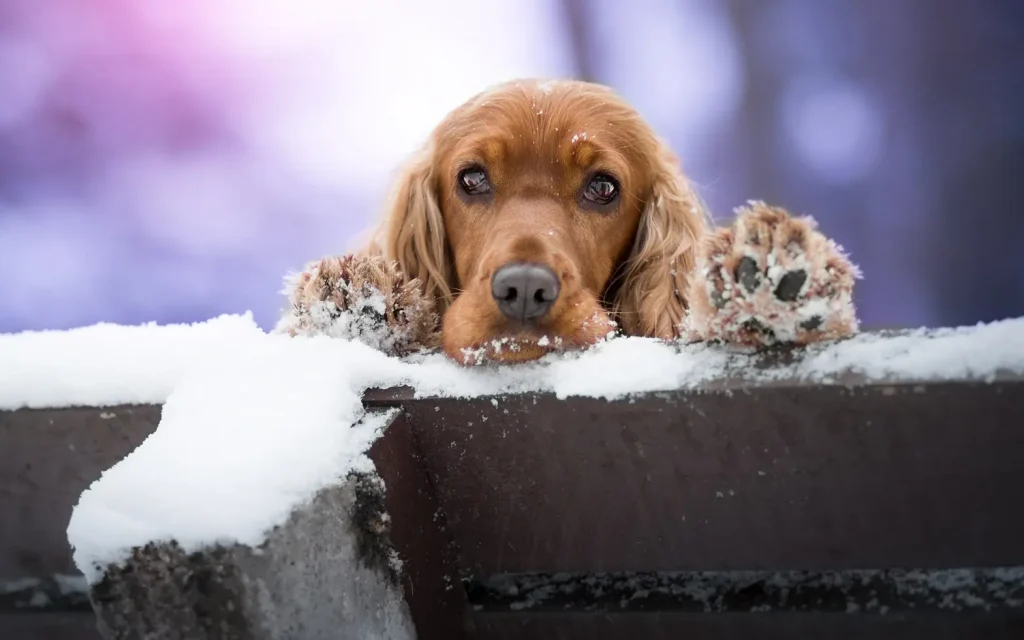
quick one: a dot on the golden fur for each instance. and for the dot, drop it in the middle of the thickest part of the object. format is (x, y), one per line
(538, 124)
(652, 265)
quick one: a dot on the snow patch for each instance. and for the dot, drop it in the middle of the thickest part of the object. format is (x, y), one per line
(242, 441)
(547, 86)
(978, 352)
(106, 365)
(361, 322)
(255, 424)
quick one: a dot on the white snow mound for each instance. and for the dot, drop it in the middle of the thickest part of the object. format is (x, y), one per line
(242, 441)
(105, 365)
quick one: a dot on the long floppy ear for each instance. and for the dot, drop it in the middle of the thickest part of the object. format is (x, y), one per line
(412, 231)
(650, 299)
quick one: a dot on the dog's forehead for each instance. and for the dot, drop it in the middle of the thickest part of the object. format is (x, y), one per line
(523, 120)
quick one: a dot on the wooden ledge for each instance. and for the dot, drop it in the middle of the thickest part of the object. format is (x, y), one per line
(733, 476)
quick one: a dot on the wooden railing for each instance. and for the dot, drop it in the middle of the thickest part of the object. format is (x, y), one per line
(855, 509)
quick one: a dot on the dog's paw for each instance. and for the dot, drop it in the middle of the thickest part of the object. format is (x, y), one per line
(769, 279)
(365, 298)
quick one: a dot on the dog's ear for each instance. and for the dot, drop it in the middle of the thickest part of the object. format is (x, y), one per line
(650, 300)
(413, 231)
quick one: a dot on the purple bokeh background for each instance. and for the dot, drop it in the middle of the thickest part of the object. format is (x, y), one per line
(171, 161)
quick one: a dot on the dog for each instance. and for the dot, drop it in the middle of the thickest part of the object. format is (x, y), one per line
(544, 216)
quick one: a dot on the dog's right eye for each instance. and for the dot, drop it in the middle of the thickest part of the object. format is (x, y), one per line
(474, 181)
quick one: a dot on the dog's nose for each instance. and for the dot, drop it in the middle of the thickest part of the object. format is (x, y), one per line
(524, 291)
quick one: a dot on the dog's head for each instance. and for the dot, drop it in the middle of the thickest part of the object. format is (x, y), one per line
(541, 214)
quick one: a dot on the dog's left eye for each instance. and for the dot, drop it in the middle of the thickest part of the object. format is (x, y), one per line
(474, 181)
(601, 189)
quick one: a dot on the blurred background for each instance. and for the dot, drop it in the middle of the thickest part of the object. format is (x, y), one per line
(171, 160)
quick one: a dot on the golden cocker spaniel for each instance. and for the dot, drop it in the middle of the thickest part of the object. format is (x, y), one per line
(546, 215)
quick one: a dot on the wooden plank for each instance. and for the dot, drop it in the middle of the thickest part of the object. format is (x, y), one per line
(741, 626)
(49, 626)
(734, 476)
(430, 577)
(47, 458)
(759, 477)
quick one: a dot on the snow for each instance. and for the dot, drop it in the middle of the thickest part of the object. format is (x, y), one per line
(42, 592)
(978, 352)
(356, 323)
(254, 424)
(547, 86)
(242, 441)
(106, 365)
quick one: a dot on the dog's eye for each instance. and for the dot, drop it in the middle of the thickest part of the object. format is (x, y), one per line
(601, 189)
(474, 181)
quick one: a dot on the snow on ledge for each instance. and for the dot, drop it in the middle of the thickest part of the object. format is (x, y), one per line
(105, 365)
(254, 425)
(242, 442)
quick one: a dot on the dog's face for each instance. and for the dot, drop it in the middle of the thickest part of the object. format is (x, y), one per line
(542, 196)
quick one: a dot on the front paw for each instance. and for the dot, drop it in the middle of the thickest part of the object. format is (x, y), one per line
(365, 298)
(771, 278)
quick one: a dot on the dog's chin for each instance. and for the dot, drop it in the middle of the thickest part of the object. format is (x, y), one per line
(507, 343)
(510, 348)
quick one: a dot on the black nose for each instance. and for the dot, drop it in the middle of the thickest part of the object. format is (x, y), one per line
(524, 291)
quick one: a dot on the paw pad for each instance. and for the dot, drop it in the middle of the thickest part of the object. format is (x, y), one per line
(771, 278)
(812, 323)
(790, 285)
(748, 274)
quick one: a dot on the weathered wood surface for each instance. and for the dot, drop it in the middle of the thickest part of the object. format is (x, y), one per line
(773, 476)
(47, 458)
(780, 477)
